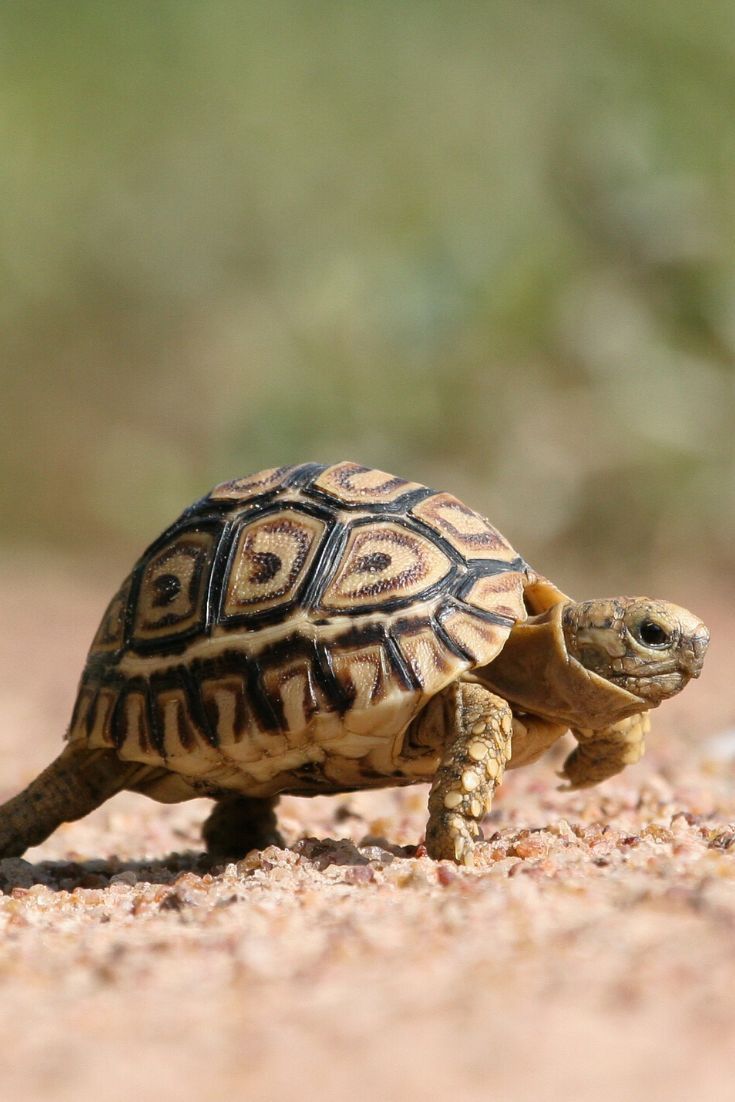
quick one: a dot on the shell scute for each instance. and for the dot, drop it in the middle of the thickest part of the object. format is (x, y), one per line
(462, 528)
(104, 710)
(384, 562)
(352, 484)
(135, 739)
(474, 636)
(110, 635)
(172, 592)
(430, 662)
(362, 675)
(242, 490)
(500, 593)
(292, 688)
(223, 700)
(270, 561)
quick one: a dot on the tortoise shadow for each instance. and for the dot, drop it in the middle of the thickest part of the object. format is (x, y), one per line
(17, 874)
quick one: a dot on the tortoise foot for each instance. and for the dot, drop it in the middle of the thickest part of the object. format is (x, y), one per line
(239, 824)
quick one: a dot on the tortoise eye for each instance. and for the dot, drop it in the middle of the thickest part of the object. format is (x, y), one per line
(652, 634)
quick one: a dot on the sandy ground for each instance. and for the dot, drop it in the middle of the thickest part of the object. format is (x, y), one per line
(591, 954)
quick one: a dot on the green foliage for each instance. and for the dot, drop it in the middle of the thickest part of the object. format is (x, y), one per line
(485, 245)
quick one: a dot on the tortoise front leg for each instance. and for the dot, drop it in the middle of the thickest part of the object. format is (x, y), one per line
(602, 754)
(478, 728)
(238, 824)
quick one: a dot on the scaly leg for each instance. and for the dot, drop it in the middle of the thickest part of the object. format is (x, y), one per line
(238, 824)
(77, 782)
(478, 728)
(602, 754)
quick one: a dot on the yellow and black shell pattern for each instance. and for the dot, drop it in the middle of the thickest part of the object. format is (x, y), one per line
(300, 614)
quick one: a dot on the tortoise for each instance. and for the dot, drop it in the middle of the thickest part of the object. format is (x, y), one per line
(320, 629)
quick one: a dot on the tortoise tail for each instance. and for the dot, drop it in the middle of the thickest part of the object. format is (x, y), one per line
(77, 782)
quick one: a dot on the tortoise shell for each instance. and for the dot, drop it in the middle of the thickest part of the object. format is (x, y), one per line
(284, 631)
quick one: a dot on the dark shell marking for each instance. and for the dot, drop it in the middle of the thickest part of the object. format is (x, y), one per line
(384, 562)
(270, 561)
(294, 616)
(172, 588)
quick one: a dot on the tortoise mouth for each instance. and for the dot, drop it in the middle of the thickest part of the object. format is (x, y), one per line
(652, 687)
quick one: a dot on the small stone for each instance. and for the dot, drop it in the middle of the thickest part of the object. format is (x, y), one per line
(93, 880)
(378, 854)
(250, 862)
(470, 780)
(530, 846)
(657, 833)
(563, 830)
(128, 877)
(479, 728)
(359, 874)
(445, 874)
(477, 750)
(172, 902)
(724, 840)
(452, 799)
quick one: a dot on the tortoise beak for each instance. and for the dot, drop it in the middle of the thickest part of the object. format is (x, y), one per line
(693, 652)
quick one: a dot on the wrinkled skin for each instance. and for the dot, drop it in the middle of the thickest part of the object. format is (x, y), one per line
(649, 648)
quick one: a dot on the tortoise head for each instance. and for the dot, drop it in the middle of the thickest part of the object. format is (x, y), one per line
(590, 664)
(648, 648)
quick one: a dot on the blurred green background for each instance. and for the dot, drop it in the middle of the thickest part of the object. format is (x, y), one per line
(487, 245)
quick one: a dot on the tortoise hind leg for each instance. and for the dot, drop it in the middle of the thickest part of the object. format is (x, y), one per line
(238, 824)
(77, 782)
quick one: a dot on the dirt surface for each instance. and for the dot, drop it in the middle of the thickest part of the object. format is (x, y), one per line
(590, 955)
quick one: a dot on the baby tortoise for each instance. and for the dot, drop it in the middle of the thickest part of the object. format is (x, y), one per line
(318, 629)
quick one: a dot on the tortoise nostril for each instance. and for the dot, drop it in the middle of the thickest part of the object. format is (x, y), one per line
(700, 642)
(693, 655)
